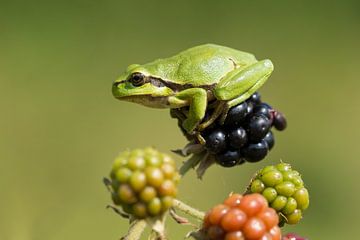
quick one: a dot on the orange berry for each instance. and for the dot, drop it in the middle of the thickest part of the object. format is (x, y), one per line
(275, 233)
(252, 204)
(215, 233)
(262, 200)
(233, 200)
(269, 217)
(254, 228)
(233, 220)
(206, 222)
(237, 235)
(242, 218)
(266, 236)
(217, 213)
(167, 188)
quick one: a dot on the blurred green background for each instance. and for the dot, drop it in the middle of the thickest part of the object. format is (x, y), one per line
(61, 128)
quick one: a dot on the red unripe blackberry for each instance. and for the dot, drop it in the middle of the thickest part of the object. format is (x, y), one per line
(233, 220)
(253, 204)
(254, 228)
(242, 218)
(217, 213)
(233, 200)
(236, 235)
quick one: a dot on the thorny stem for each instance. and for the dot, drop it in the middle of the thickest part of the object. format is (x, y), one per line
(137, 227)
(188, 210)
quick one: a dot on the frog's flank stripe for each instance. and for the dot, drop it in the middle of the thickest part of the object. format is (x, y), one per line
(158, 82)
(175, 86)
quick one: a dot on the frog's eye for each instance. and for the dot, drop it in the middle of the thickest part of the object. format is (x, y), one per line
(137, 79)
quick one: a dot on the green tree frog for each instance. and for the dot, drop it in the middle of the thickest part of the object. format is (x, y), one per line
(193, 78)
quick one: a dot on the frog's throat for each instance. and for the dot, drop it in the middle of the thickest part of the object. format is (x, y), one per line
(148, 100)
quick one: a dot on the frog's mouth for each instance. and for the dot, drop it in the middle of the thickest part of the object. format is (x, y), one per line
(148, 100)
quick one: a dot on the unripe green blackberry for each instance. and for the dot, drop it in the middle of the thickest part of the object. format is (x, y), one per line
(284, 189)
(144, 182)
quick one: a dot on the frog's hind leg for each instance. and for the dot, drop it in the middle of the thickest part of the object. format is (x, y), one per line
(217, 112)
(240, 84)
(235, 102)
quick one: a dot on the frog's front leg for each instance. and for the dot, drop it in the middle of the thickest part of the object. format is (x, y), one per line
(240, 84)
(196, 99)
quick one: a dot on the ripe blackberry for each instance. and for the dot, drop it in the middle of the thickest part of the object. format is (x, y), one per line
(255, 98)
(270, 140)
(250, 107)
(237, 114)
(264, 109)
(255, 152)
(216, 141)
(284, 189)
(245, 135)
(257, 127)
(237, 137)
(229, 158)
(241, 218)
(144, 182)
(279, 121)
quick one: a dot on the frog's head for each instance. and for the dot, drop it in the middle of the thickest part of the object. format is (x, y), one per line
(137, 85)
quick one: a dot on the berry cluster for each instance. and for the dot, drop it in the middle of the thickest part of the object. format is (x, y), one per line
(284, 189)
(144, 182)
(242, 218)
(246, 133)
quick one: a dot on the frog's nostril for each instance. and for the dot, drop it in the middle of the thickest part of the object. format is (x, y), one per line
(268, 64)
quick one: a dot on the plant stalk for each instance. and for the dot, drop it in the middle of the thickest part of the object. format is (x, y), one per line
(137, 227)
(188, 210)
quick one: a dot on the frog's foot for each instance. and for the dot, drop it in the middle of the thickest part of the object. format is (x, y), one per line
(200, 138)
(217, 112)
(178, 114)
(195, 134)
(224, 113)
(196, 99)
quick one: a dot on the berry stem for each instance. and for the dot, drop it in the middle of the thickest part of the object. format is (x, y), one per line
(137, 227)
(188, 210)
(158, 228)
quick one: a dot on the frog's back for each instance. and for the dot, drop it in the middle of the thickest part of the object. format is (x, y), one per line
(201, 65)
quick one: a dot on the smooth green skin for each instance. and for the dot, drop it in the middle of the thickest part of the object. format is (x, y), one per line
(193, 78)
